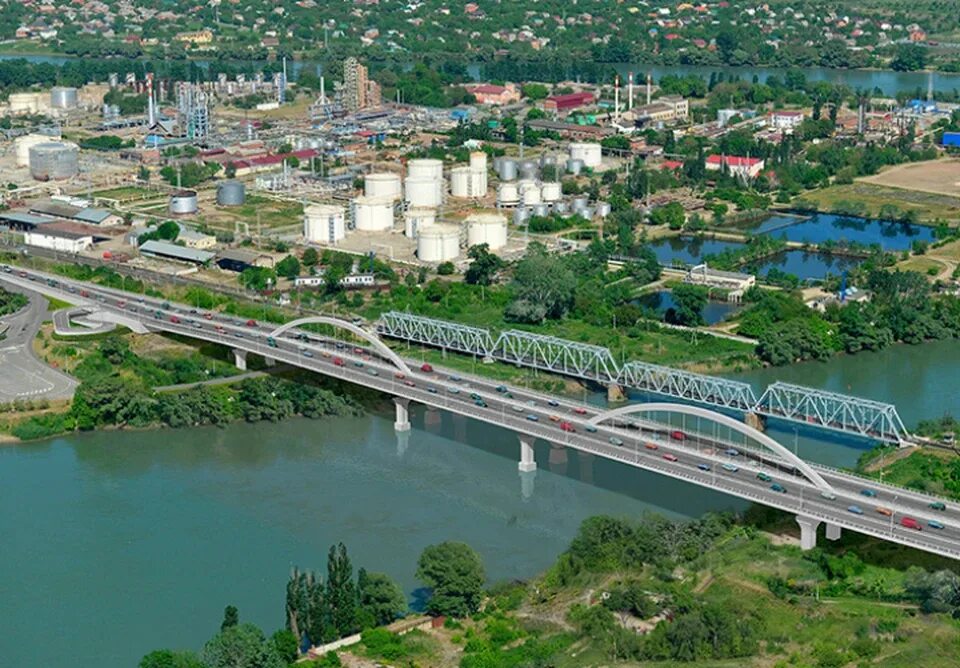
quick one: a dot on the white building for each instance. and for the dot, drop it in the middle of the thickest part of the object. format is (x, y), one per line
(348, 281)
(786, 120)
(714, 278)
(58, 238)
(735, 165)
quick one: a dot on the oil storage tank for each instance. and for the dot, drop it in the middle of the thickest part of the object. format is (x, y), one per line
(550, 191)
(438, 243)
(529, 192)
(22, 146)
(487, 228)
(231, 193)
(324, 223)
(508, 194)
(417, 218)
(508, 170)
(63, 97)
(54, 161)
(183, 202)
(427, 167)
(424, 191)
(382, 184)
(373, 214)
(589, 153)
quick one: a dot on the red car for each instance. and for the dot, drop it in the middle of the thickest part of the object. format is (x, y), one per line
(175, 320)
(566, 426)
(339, 361)
(670, 458)
(580, 411)
(911, 523)
(399, 375)
(409, 383)
(426, 368)
(651, 446)
(208, 316)
(678, 436)
(251, 323)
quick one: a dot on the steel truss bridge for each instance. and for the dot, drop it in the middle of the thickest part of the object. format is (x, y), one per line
(805, 405)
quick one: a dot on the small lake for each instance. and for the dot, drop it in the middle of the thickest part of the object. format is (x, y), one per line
(804, 265)
(821, 227)
(662, 301)
(689, 250)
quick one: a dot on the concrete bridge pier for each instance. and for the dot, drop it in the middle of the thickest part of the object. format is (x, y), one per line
(833, 531)
(269, 361)
(615, 394)
(754, 420)
(528, 461)
(526, 484)
(402, 422)
(808, 532)
(240, 359)
(403, 442)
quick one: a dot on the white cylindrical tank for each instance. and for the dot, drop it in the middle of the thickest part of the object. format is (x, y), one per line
(550, 191)
(439, 243)
(382, 184)
(529, 192)
(575, 166)
(24, 103)
(372, 214)
(460, 181)
(589, 153)
(324, 223)
(603, 209)
(63, 97)
(183, 202)
(54, 161)
(508, 170)
(487, 228)
(478, 160)
(508, 194)
(23, 145)
(520, 215)
(429, 167)
(416, 219)
(424, 191)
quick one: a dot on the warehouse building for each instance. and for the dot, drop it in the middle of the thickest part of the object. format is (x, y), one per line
(237, 259)
(61, 237)
(167, 251)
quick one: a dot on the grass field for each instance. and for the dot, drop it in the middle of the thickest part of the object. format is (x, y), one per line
(126, 193)
(929, 206)
(940, 177)
(273, 214)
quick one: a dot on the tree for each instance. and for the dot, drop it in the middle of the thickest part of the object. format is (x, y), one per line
(165, 658)
(286, 644)
(381, 599)
(689, 301)
(454, 573)
(543, 285)
(341, 594)
(258, 278)
(534, 91)
(446, 268)
(672, 215)
(310, 257)
(230, 170)
(242, 646)
(909, 58)
(231, 617)
(484, 267)
(288, 267)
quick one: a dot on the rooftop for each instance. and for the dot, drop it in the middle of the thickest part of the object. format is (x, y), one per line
(165, 249)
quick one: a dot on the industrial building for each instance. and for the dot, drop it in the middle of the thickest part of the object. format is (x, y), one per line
(562, 104)
(237, 259)
(714, 278)
(59, 209)
(166, 251)
(359, 91)
(735, 165)
(61, 237)
(193, 239)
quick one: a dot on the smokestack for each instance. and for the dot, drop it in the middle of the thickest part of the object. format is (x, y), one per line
(616, 98)
(323, 90)
(151, 106)
(649, 87)
(630, 91)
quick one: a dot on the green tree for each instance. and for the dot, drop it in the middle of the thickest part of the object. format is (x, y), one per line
(341, 594)
(381, 599)
(909, 57)
(454, 573)
(484, 265)
(446, 268)
(286, 644)
(689, 302)
(310, 257)
(165, 658)
(671, 214)
(231, 617)
(258, 278)
(288, 267)
(242, 646)
(534, 91)
(543, 286)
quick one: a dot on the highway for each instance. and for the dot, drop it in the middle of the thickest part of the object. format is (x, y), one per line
(697, 458)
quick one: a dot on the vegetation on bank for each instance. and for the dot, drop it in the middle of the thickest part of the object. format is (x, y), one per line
(11, 302)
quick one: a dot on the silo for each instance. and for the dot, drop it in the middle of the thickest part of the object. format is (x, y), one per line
(520, 216)
(603, 209)
(529, 170)
(427, 167)
(580, 203)
(324, 223)
(529, 192)
(382, 184)
(574, 166)
(63, 97)
(460, 181)
(478, 161)
(231, 193)
(416, 219)
(439, 243)
(508, 194)
(487, 228)
(541, 210)
(508, 170)
(372, 214)
(560, 207)
(424, 191)
(23, 145)
(550, 191)
(588, 153)
(54, 161)
(547, 160)
(183, 202)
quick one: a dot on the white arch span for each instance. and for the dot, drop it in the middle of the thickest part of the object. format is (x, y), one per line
(372, 339)
(719, 418)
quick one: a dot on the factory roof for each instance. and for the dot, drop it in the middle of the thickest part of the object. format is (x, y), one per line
(23, 218)
(68, 230)
(52, 208)
(96, 216)
(176, 252)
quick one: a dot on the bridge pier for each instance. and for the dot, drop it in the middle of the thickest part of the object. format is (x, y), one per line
(833, 531)
(526, 484)
(240, 359)
(528, 461)
(754, 420)
(808, 532)
(269, 361)
(402, 422)
(615, 394)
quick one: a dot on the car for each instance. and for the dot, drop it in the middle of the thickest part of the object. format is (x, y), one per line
(432, 390)
(732, 452)
(455, 378)
(554, 418)
(868, 493)
(453, 390)
(307, 353)
(501, 388)
(409, 383)
(910, 523)
(703, 467)
(481, 403)
(338, 361)
(886, 512)
(553, 402)
(829, 496)
(651, 446)
(373, 372)
(777, 487)
(399, 375)
(532, 403)
(934, 524)
(856, 510)
(731, 468)
(251, 323)
(590, 428)
(238, 335)
(474, 396)
(616, 441)
(324, 353)
(358, 351)
(84, 293)
(764, 477)
(272, 342)
(193, 311)
(175, 320)
(340, 345)
(221, 330)
(533, 418)
(517, 408)
(197, 325)
(678, 435)
(580, 411)
(121, 303)
(358, 363)
(670, 458)
(938, 505)
(568, 427)
(208, 315)
(509, 395)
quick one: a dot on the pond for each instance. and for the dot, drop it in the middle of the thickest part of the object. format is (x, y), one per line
(818, 228)
(689, 250)
(662, 300)
(803, 265)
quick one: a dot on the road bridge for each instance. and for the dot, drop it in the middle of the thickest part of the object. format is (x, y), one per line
(846, 414)
(697, 445)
